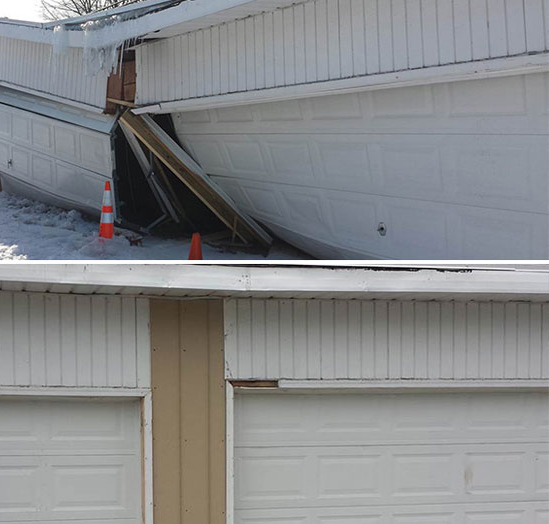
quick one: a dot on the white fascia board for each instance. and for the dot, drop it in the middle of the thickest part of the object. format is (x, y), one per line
(228, 280)
(491, 68)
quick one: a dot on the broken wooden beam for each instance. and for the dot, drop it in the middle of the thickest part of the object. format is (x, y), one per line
(186, 169)
(118, 102)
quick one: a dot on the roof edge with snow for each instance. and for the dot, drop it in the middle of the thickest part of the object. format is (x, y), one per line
(146, 19)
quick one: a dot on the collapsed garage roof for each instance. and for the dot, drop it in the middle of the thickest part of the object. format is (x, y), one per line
(150, 19)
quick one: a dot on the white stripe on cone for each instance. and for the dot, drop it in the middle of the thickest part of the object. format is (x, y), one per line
(107, 218)
(107, 199)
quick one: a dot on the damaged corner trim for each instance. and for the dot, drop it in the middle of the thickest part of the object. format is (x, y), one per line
(256, 384)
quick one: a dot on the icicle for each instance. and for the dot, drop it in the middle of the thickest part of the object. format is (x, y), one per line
(60, 49)
(60, 40)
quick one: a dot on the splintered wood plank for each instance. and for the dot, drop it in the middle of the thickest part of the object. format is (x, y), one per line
(173, 157)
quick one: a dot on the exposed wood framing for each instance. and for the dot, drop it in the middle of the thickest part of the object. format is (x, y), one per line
(173, 157)
(188, 412)
(120, 102)
(121, 86)
(254, 383)
(158, 191)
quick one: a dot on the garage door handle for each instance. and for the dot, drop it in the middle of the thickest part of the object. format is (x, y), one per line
(10, 163)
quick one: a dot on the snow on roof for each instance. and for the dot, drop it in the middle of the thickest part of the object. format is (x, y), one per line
(134, 10)
(102, 34)
(148, 19)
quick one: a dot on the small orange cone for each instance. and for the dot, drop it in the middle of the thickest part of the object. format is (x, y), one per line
(195, 252)
(106, 226)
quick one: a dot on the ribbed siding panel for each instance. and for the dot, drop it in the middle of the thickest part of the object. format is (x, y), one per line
(317, 339)
(73, 341)
(331, 39)
(33, 66)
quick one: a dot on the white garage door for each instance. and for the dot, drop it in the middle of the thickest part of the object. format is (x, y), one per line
(392, 459)
(68, 461)
(54, 158)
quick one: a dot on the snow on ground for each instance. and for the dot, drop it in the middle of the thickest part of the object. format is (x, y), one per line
(31, 230)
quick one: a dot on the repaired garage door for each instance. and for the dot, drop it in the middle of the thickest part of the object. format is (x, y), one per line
(431, 458)
(66, 461)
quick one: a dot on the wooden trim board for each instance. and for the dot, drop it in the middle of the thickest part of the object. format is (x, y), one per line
(170, 154)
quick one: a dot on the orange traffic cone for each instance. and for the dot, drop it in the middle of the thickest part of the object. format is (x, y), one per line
(195, 252)
(106, 227)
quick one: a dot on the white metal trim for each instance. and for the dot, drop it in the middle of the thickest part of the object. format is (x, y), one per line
(411, 384)
(229, 421)
(490, 68)
(60, 391)
(148, 477)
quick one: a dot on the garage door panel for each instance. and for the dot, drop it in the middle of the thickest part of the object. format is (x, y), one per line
(91, 488)
(511, 513)
(109, 424)
(20, 481)
(19, 427)
(330, 476)
(70, 460)
(457, 458)
(541, 460)
(318, 419)
(32, 425)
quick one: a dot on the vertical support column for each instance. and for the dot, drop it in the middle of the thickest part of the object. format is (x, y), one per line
(188, 411)
(166, 399)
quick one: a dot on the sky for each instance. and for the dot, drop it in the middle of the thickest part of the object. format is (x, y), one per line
(21, 10)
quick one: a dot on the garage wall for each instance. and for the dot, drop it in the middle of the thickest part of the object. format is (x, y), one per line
(33, 65)
(321, 339)
(188, 411)
(67, 340)
(332, 39)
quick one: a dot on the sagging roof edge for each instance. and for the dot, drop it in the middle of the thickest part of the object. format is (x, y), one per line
(324, 281)
(80, 31)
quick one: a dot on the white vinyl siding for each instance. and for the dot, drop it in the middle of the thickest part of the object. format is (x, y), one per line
(70, 461)
(74, 341)
(411, 458)
(33, 66)
(324, 339)
(332, 39)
